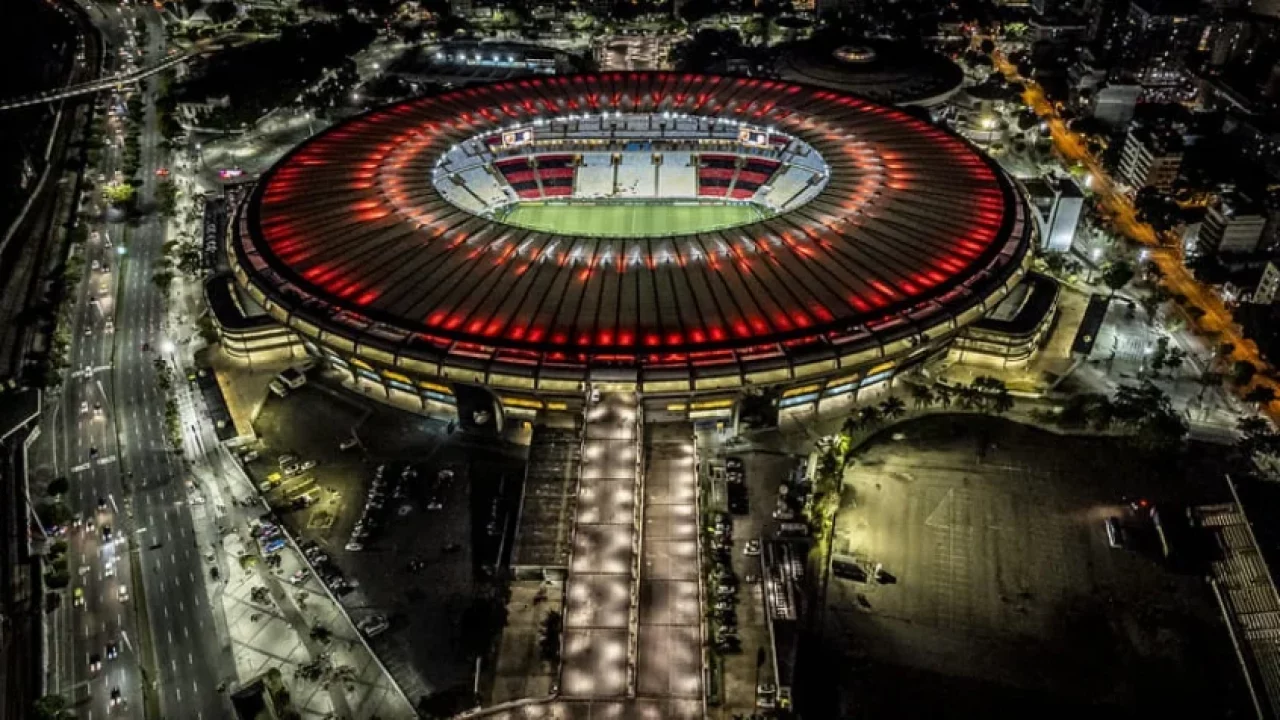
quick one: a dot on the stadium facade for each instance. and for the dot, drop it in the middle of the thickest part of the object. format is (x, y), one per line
(867, 242)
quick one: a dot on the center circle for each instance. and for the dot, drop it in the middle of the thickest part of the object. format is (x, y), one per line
(631, 175)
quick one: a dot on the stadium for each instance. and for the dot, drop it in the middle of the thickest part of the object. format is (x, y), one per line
(686, 237)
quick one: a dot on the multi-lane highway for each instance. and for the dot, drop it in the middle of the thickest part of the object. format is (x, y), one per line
(138, 591)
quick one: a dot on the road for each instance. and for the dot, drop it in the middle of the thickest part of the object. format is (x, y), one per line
(1217, 320)
(95, 86)
(106, 433)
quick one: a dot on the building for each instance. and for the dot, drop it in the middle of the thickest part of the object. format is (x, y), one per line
(1057, 28)
(1058, 203)
(1268, 290)
(1151, 157)
(246, 332)
(461, 8)
(386, 256)
(1114, 103)
(1015, 329)
(1234, 225)
(1154, 38)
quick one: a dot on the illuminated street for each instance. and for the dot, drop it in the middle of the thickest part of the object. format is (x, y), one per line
(1216, 321)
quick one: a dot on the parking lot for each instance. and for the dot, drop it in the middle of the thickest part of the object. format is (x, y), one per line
(410, 546)
(750, 503)
(1000, 589)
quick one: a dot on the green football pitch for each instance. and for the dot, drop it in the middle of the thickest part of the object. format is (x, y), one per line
(629, 219)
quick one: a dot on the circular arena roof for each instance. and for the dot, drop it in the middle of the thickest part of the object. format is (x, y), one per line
(349, 235)
(883, 70)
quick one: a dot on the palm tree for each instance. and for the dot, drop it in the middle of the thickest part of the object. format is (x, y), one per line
(1001, 402)
(922, 396)
(1261, 395)
(1208, 379)
(868, 417)
(893, 408)
(850, 425)
(944, 393)
(968, 397)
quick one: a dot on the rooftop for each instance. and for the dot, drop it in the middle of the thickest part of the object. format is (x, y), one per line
(349, 231)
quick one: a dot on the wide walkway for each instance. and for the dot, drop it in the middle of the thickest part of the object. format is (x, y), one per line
(669, 662)
(600, 594)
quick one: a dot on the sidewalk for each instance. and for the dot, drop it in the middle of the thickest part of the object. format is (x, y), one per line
(254, 638)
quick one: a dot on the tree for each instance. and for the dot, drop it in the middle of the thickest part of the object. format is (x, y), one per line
(849, 426)
(53, 512)
(1254, 426)
(988, 394)
(119, 194)
(868, 417)
(1153, 271)
(1159, 354)
(549, 644)
(945, 394)
(52, 707)
(1161, 433)
(321, 634)
(58, 486)
(893, 408)
(1260, 395)
(221, 12)
(922, 396)
(1152, 301)
(1116, 275)
(1256, 436)
(166, 198)
(1242, 373)
(163, 279)
(695, 10)
(1176, 359)
(1001, 401)
(1208, 379)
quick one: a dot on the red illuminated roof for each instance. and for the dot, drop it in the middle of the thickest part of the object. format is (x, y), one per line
(349, 225)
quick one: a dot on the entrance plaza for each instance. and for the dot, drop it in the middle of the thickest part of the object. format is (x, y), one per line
(632, 613)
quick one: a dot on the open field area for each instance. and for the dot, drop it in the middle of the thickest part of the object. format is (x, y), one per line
(630, 219)
(1005, 594)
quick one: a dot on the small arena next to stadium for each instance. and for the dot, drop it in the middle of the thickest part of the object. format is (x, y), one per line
(687, 237)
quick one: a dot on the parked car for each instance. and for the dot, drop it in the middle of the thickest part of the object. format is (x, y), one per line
(373, 626)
